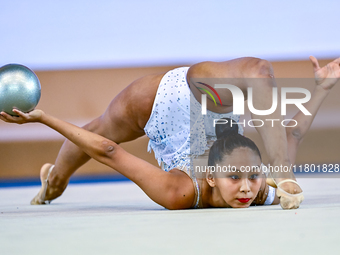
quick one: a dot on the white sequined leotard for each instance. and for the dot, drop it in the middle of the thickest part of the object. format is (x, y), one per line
(177, 129)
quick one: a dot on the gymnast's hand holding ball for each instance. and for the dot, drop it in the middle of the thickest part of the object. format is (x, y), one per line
(22, 118)
(20, 92)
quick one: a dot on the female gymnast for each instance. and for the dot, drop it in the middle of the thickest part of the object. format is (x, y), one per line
(169, 127)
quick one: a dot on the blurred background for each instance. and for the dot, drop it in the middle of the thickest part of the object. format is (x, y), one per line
(86, 52)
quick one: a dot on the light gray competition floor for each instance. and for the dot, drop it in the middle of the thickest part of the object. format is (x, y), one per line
(118, 218)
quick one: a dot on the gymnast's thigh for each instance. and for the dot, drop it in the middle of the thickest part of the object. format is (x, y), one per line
(127, 114)
(235, 71)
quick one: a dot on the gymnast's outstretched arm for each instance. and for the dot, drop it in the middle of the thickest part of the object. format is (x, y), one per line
(173, 190)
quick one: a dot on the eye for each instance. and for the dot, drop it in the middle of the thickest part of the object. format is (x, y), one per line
(254, 176)
(234, 177)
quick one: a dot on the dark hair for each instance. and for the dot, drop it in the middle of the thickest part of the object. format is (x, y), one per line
(228, 139)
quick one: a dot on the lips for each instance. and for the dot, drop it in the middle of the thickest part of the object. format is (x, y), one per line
(243, 200)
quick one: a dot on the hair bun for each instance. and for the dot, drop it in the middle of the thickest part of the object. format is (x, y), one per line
(223, 128)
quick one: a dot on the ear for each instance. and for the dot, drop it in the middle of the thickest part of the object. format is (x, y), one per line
(210, 179)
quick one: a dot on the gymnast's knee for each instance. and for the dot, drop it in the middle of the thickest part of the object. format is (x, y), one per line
(260, 68)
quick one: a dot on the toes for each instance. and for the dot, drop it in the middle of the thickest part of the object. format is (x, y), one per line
(290, 202)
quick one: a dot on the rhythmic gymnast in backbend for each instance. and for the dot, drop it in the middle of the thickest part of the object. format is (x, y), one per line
(166, 107)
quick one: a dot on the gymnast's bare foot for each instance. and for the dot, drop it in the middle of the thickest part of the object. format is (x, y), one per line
(41, 197)
(289, 192)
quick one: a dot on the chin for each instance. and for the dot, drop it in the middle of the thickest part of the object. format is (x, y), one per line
(241, 206)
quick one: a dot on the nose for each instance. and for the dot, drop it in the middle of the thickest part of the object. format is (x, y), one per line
(245, 185)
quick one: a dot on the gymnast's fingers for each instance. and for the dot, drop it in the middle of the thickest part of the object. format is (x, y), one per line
(20, 113)
(2, 117)
(6, 117)
(12, 119)
(337, 61)
(315, 63)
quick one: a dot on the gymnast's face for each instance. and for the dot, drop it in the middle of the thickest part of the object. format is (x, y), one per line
(239, 186)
